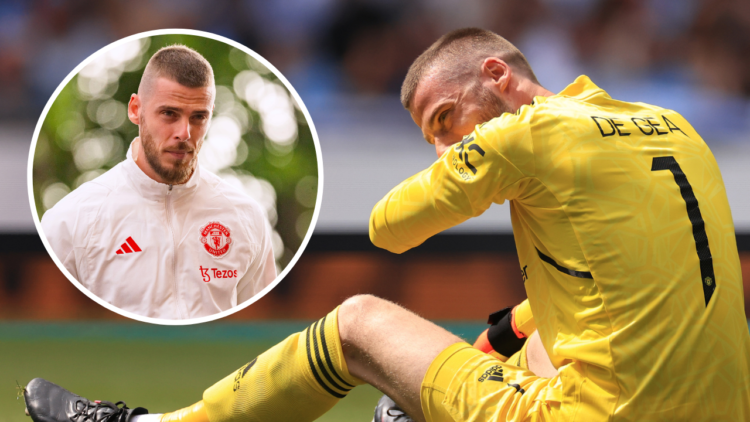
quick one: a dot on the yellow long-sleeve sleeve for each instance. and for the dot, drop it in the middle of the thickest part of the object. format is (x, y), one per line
(461, 184)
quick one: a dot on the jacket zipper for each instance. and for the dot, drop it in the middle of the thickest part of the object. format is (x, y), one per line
(174, 250)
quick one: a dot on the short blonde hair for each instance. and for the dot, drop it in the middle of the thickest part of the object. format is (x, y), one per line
(181, 64)
(462, 52)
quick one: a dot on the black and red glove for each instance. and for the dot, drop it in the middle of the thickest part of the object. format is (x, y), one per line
(504, 338)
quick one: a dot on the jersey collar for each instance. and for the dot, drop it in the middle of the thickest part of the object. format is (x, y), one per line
(582, 88)
(151, 189)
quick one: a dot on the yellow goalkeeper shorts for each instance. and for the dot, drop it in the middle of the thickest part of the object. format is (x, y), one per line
(464, 384)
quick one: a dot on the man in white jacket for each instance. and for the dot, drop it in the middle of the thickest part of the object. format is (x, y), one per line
(157, 235)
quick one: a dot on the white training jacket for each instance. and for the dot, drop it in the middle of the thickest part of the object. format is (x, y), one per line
(163, 251)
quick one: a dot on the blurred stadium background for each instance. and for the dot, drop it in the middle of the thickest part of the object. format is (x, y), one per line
(346, 59)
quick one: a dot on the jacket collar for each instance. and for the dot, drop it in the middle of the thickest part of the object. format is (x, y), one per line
(153, 190)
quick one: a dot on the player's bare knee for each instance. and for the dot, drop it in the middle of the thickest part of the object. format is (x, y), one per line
(355, 310)
(360, 314)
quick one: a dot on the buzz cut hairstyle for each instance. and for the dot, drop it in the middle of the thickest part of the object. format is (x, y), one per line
(461, 52)
(181, 64)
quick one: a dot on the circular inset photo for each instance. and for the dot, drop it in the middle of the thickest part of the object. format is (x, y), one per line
(175, 177)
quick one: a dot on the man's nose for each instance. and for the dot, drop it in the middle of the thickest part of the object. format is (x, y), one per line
(183, 130)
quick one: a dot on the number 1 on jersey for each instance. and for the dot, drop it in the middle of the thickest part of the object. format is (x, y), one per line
(708, 280)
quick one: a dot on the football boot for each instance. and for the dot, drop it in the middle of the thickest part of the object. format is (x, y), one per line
(388, 411)
(48, 402)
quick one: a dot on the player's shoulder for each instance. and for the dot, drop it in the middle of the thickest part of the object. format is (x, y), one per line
(576, 100)
(510, 121)
(583, 98)
(88, 197)
(508, 134)
(512, 127)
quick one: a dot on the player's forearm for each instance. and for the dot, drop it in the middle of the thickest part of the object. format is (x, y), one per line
(386, 230)
(461, 184)
(381, 237)
(417, 209)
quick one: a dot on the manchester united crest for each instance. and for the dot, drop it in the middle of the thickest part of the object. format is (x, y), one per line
(215, 238)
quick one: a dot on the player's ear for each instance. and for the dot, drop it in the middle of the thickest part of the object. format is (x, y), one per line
(498, 72)
(134, 108)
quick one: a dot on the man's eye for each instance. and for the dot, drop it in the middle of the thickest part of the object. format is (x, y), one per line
(168, 113)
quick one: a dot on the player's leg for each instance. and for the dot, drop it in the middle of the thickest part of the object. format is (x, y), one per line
(391, 348)
(525, 350)
(537, 359)
(425, 368)
(366, 339)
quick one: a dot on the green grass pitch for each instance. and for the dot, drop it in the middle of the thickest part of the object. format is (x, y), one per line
(160, 368)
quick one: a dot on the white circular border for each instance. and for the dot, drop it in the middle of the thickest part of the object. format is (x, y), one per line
(313, 222)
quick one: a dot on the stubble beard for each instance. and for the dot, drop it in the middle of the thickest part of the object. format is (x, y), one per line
(492, 105)
(173, 174)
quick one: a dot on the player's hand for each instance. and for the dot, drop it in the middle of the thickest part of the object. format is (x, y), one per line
(503, 338)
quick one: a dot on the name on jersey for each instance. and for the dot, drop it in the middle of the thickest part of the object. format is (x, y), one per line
(206, 273)
(623, 126)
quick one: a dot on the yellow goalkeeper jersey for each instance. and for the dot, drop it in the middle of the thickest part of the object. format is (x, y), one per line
(626, 243)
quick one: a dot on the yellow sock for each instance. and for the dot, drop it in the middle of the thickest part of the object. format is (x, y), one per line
(194, 413)
(297, 380)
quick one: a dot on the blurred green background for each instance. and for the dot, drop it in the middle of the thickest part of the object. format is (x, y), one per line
(259, 139)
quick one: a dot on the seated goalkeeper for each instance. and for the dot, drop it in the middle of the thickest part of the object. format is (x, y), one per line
(623, 232)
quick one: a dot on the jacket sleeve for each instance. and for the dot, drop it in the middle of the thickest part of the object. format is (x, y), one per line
(59, 226)
(461, 184)
(262, 269)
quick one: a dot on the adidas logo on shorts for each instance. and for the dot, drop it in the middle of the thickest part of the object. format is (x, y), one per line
(495, 373)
